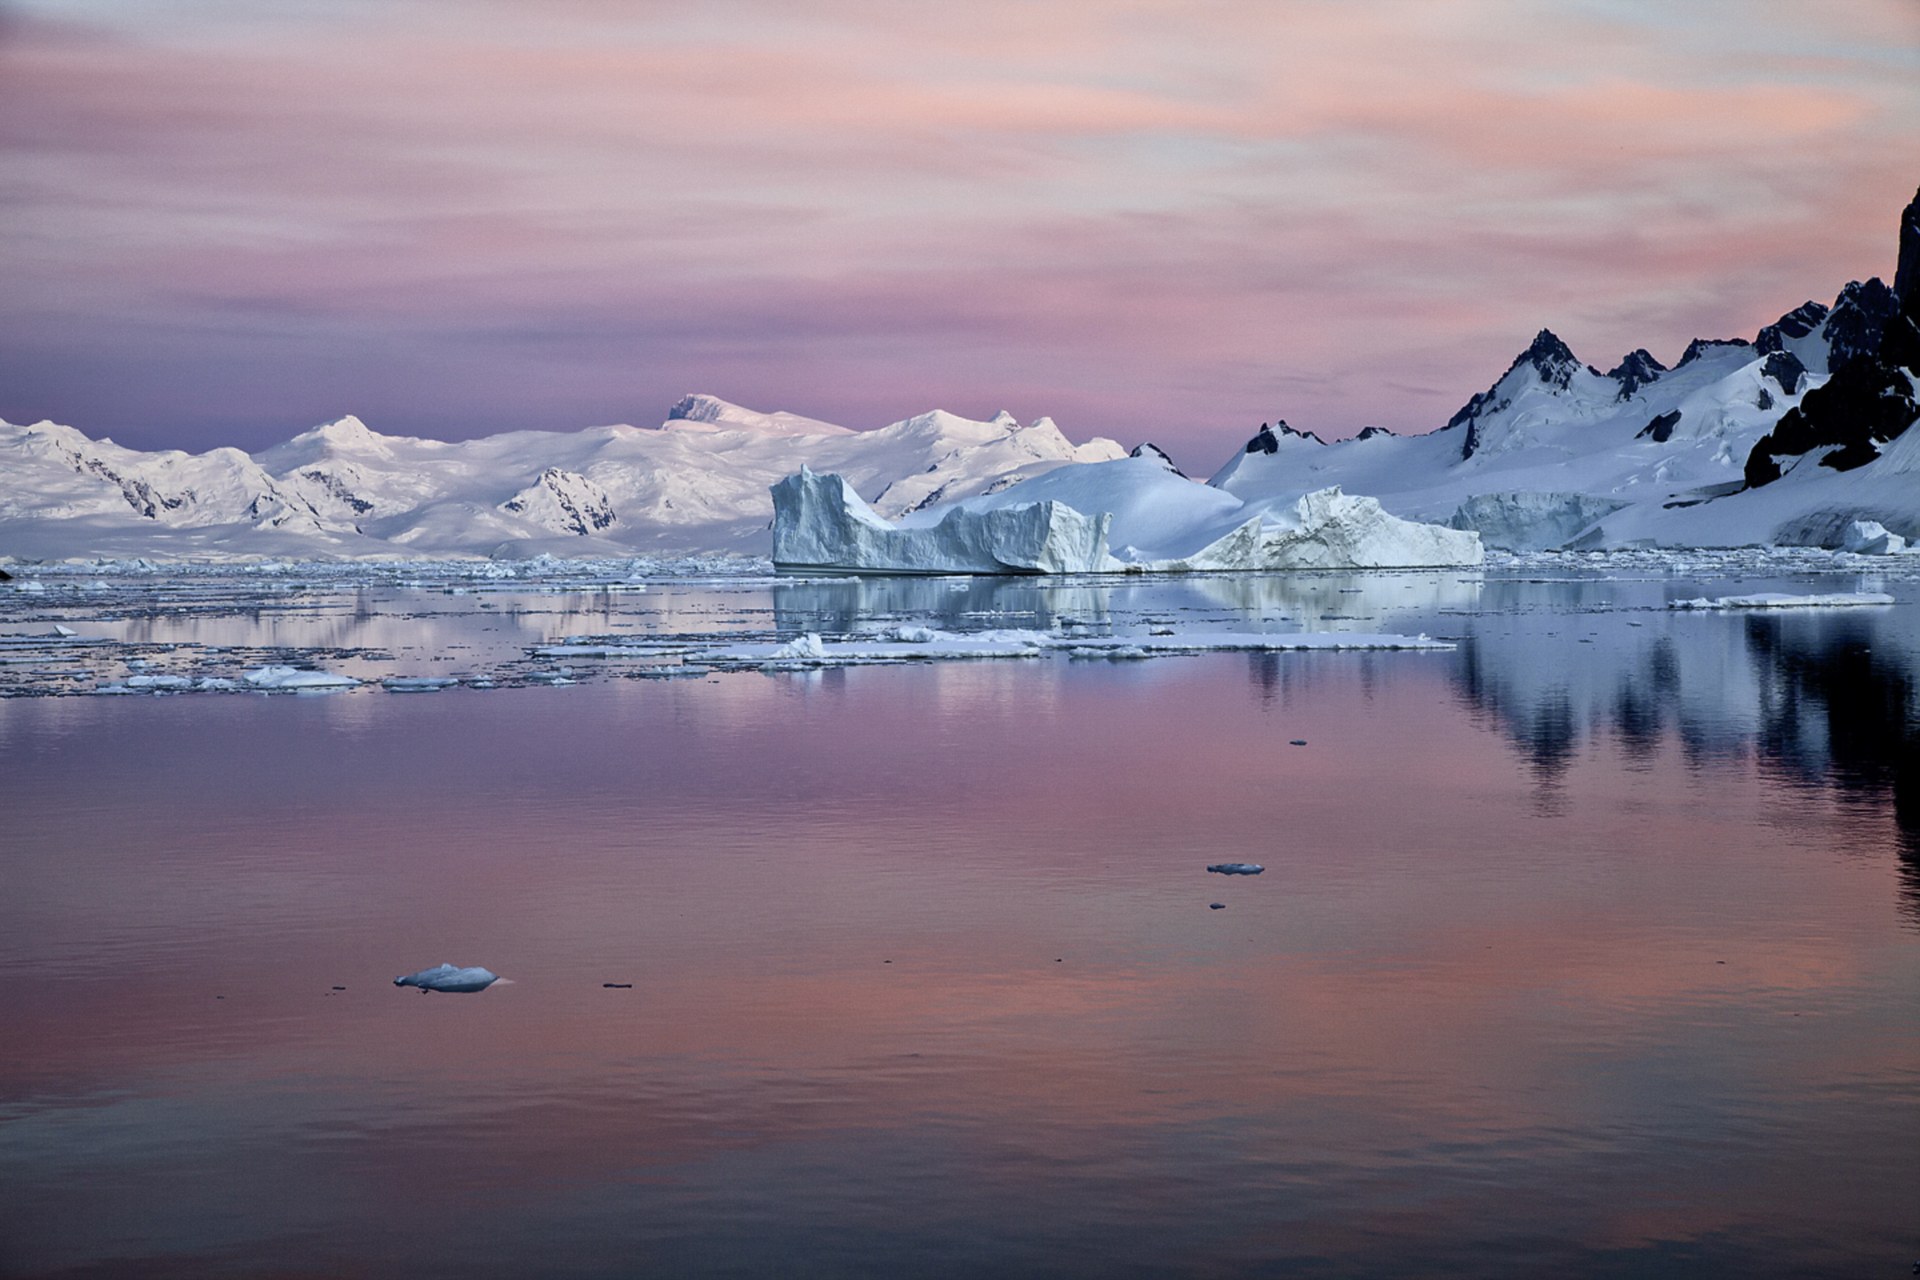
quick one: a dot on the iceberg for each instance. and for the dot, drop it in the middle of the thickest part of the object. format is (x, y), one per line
(819, 522)
(1871, 538)
(1067, 520)
(448, 977)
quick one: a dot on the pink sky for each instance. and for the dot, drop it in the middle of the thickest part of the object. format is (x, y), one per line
(226, 222)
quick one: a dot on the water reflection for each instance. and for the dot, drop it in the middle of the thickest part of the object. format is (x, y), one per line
(1840, 709)
(1823, 698)
(926, 975)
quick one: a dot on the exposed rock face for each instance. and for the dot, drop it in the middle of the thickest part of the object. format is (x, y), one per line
(1700, 346)
(565, 502)
(1637, 370)
(1859, 321)
(1375, 433)
(1873, 395)
(1660, 429)
(1785, 369)
(1266, 441)
(1797, 323)
(1148, 449)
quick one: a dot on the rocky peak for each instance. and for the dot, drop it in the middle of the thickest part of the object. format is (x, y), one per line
(1370, 433)
(1858, 322)
(1906, 275)
(1635, 371)
(1154, 453)
(1700, 346)
(1267, 439)
(1551, 358)
(1901, 347)
(1797, 323)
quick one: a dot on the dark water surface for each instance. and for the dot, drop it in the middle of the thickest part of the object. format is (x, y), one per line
(1587, 949)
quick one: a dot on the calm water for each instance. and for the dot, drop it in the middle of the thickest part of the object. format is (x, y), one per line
(1589, 948)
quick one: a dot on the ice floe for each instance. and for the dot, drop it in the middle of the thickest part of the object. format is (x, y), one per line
(1787, 600)
(448, 977)
(811, 649)
(277, 677)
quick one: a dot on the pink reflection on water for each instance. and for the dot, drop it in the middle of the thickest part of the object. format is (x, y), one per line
(944, 929)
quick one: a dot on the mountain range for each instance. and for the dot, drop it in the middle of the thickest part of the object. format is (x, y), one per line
(1789, 437)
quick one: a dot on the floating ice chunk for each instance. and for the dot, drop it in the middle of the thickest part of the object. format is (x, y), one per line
(1786, 600)
(216, 684)
(1236, 868)
(161, 682)
(906, 634)
(803, 647)
(1871, 538)
(283, 677)
(417, 684)
(61, 633)
(447, 977)
(572, 650)
(31, 586)
(809, 650)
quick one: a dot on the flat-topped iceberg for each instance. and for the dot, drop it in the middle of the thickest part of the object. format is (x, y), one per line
(1133, 515)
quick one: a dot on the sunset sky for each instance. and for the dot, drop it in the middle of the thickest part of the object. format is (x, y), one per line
(227, 220)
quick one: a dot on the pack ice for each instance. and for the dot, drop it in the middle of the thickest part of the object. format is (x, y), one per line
(1135, 515)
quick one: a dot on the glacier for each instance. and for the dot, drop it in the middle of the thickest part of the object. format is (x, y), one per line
(1131, 515)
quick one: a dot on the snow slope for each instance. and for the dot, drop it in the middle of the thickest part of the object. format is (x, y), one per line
(699, 482)
(1790, 438)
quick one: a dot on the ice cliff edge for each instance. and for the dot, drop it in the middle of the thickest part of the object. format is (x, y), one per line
(1063, 522)
(819, 522)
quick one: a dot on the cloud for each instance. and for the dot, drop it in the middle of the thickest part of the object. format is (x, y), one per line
(1098, 209)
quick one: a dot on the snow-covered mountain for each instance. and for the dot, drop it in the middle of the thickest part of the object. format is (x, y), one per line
(1787, 438)
(697, 483)
(1790, 437)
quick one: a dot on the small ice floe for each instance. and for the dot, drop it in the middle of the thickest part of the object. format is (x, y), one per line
(159, 683)
(569, 649)
(274, 677)
(60, 632)
(1787, 600)
(1236, 868)
(1261, 641)
(1112, 653)
(417, 684)
(447, 977)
